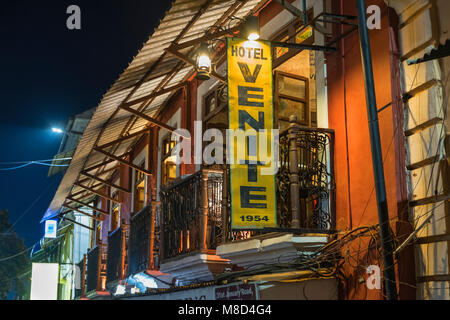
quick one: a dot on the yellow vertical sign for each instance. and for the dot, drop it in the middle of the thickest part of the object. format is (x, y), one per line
(253, 201)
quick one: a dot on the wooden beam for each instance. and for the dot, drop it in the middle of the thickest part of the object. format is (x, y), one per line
(423, 163)
(87, 205)
(105, 182)
(433, 239)
(82, 212)
(123, 161)
(152, 120)
(100, 173)
(424, 86)
(83, 191)
(153, 95)
(126, 137)
(423, 126)
(211, 36)
(80, 224)
(101, 164)
(417, 50)
(414, 15)
(98, 193)
(428, 200)
(433, 278)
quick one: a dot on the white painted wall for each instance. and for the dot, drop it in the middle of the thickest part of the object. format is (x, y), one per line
(431, 259)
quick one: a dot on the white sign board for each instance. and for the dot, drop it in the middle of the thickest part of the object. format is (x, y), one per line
(50, 229)
(44, 281)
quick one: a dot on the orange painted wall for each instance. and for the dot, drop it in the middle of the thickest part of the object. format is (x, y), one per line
(355, 195)
(348, 116)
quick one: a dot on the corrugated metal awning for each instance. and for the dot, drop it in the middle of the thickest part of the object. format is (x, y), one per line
(152, 70)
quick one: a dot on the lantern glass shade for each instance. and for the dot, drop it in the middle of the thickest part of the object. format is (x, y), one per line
(253, 36)
(203, 63)
(251, 28)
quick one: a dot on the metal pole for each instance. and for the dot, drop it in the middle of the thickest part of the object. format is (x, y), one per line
(305, 15)
(377, 161)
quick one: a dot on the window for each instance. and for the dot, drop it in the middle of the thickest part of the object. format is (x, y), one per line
(115, 217)
(294, 32)
(168, 165)
(215, 105)
(139, 189)
(98, 234)
(215, 112)
(291, 98)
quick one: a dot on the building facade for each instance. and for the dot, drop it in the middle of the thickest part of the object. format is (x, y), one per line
(161, 228)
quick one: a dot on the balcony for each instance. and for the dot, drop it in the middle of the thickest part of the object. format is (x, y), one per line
(192, 226)
(305, 202)
(142, 243)
(305, 180)
(96, 270)
(117, 255)
(196, 221)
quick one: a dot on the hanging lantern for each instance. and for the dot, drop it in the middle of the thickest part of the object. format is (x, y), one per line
(203, 63)
(250, 28)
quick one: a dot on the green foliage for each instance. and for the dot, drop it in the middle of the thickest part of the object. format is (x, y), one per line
(16, 269)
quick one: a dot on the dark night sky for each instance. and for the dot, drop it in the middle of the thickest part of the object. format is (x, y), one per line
(49, 73)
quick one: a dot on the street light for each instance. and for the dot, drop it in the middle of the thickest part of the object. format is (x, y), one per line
(203, 64)
(61, 131)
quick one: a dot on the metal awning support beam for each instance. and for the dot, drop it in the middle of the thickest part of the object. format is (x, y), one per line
(97, 193)
(84, 191)
(112, 185)
(339, 16)
(100, 173)
(87, 205)
(151, 120)
(77, 223)
(101, 164)
(82, 212)
(126, 137)
(110, 155)
(208, 37)
(289, 7)
(302, 46)
(153, 95)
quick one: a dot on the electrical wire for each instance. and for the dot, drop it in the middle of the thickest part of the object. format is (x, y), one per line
(32, 205)
(45, 160)
(33, 162)
(327, 253)
(17, 254)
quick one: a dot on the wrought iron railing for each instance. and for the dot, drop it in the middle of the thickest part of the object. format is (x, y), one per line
(143, 235)
(194, 218)
(94, 267)
(305, 180)
(191, 214)
(117, 254)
